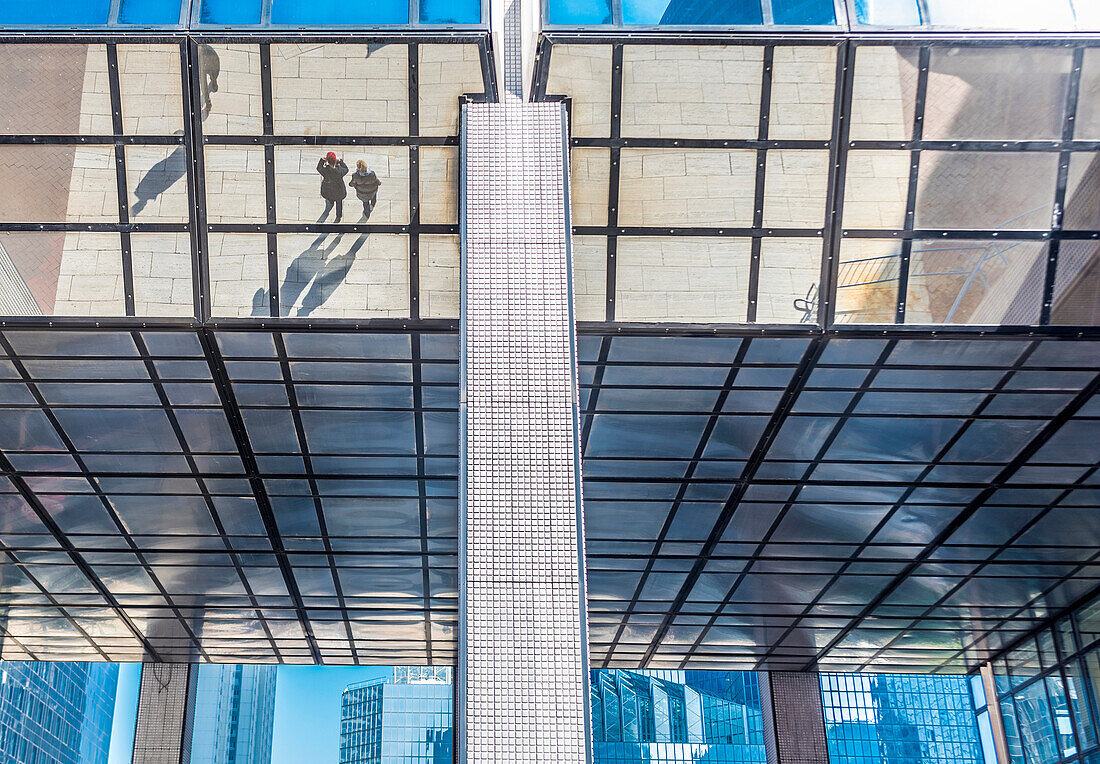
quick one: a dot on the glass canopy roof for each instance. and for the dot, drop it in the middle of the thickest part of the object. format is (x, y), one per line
(198, 14)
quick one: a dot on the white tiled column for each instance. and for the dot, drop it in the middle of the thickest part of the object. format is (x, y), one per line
(524, 663)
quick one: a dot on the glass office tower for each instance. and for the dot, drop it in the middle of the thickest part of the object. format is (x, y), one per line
(406, 719)
(234, 714)
(56, 713)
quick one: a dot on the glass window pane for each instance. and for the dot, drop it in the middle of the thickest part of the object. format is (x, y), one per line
(690, 278)
(450, 11)
(975, 282)
(579, 12)
(152, 89)
(439, 276)
(691, 91)
(298, 184)
(229, 87)
(1087, 124)
(590, 278)
(996, 93)
(985, 190)
(803, 91)
(1036, 728)
(230, 12)
(790, 270)
(90, 277)
(235, 184)
(589, 172)
(867, 281)
(238, 275)
(41, 87)
(884, 93)
(446, 73)
(1078, 695)
(672, 187)
(1083, 193)
(583, 72)
(794, 188)
(344, 275)
(331, 13)
(1077, 284)
(162, 274)
(876, 189)
(678, 12)
(340, 89)
(58, 184)
(155, 177)
(438, 184)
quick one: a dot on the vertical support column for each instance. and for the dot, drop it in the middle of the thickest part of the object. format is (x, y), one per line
(523, 688)
(996, 721)
(794, 720)
(166, 710)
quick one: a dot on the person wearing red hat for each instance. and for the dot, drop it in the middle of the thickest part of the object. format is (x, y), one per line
(333, 190)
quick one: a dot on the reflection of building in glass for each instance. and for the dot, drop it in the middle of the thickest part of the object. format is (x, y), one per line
(407, 719)
(900, 719)
(56, 713)
(234, 714)
(667, 717)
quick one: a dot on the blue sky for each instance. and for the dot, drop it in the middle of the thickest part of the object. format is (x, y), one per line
(307, 711)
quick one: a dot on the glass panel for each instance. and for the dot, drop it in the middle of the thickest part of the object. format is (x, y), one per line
(1012, 731)
(304, 195)
(229, 87)
(446, 73)
(579, 12)
(876, 189)
(235, 184)
(1077, 284)
(155, 178)
(162, 274)
(94, 13)
(344, 275)
(340, 89)
(583, 72)
(590, 278)
(331, 13)
(1083, 193)
(867, 281)
(985, 190)
(1036, 729)
(89, 279)
(795, 187)
(57, 184)
(803, 91)
(996, 93)
(41, 83)
(884, 93)
(439, 276)
(1062, 724)
(151, 87)
(672, 187)
(1078, 695)
(1088, 622)
(975, 14)
(450, 11)
(230, 12)
(438, 185)
(975, 282)
(238, 275)
(789, 273)
(149, 12)
(589, 171)
(690, 278)
(1087, 124)
(691, 91)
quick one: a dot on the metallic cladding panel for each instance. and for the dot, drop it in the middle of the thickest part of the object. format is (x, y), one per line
(794, 723)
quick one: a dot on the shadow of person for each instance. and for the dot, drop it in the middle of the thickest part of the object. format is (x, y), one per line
(330, 276)
(160, 177)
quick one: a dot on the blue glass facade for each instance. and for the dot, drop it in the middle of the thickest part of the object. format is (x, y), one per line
(406, 719)
(1048, 688)
(56, 713)
(900, 719)
(234, 714)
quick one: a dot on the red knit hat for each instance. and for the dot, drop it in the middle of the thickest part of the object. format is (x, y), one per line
(331, 157)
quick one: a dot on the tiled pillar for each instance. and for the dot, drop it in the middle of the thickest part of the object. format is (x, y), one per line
(523, 689)
(166, 699)
(794, 720)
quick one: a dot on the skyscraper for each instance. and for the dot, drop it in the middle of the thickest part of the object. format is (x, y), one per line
(234, 714)
(56, 713)
(406, 719)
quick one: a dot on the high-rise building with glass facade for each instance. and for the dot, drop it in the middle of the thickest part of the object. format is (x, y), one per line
(406, 719)
(56, 713)
(234, 710)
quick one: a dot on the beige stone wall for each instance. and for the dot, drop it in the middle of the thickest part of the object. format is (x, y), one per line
(803, 88)
(150, 84)
(338, 89)
(446, 73)
(672, 187)
(439, 276)
(590, 278)
(691, 91)
(238, 270)
(90, 281)
(876, 188)
(789, 269)
(438, 185)
(795, 185)
(686, 278)
(589, 171)
(235, 184)
(162, 274)
(95, 99)
(237, 107)
(883, 94)
(583, 72)
(298, 184)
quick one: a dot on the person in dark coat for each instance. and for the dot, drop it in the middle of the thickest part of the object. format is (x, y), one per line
(333, 189)
(365, 182)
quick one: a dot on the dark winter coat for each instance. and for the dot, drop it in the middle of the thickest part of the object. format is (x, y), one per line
(332, 180)
(366, 184)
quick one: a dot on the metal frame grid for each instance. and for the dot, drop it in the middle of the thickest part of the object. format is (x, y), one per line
(840, 149)
(194, 141)
(300, 543)
(849, 503)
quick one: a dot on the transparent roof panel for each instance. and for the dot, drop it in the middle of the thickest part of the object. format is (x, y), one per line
(721, 13)
(978, 14)
(94, 13)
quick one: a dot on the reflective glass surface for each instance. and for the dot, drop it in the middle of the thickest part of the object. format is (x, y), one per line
(1064, 15)
(692, 13)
